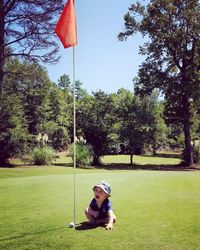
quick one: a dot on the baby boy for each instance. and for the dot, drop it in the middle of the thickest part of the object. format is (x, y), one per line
(100, 210)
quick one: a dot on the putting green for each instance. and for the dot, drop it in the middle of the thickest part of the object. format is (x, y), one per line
(155, 209)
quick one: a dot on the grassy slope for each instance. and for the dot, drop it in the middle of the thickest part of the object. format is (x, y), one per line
(155, 209)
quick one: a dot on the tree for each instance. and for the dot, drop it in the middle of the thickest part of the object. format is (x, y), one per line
(14, 135)
(141, 122)
(173, 47)
(47, 108)
(60, 118)
(64, 83)
(79, 91)
(158, 133)
(27, 31)
(94, 119)
(34, 90)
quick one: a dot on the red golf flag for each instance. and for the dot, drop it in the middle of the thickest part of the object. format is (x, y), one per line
(66, 26)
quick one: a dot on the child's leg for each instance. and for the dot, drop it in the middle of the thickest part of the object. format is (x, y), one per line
(89, 216)
(106, 220)
(102, 221)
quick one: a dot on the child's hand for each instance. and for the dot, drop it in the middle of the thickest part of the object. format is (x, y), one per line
(109, 226)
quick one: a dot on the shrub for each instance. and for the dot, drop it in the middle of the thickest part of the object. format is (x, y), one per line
(43, 155)
(84, 153)
(196, 154)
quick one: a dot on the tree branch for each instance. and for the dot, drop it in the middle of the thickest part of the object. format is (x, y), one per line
(8, 6)
(26, 35)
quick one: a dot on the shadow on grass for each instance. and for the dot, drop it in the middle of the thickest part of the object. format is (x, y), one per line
(127, 166)
(31, 234)
(124, 166)
(71, 165)
(164, 155)
(85, 226)
(81, 226)
(119, 166)
(67, 165)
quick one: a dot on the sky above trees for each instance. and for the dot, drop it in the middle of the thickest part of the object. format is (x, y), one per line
(102, 61)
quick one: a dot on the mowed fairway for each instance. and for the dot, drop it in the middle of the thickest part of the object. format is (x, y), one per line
(155, 209)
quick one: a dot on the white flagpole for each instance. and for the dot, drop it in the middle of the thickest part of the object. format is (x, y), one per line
(66, 31)
(74, 104)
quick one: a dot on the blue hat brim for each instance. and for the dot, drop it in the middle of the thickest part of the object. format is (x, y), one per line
(102, 187)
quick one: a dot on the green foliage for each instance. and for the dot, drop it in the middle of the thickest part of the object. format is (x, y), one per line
(40, 106)
(142, 124)
(158, 132)
(33, 90)
(84, 153)
(60, 120)
(64, 83)
(113, 145)
(79, 91)
(43, 155)
(172, 62)
(94, 118)
(196, 152)
(112, 123)
(13, 132)
(60, 138)
(195, 128)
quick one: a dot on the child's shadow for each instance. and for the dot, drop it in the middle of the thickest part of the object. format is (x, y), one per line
(86, 226)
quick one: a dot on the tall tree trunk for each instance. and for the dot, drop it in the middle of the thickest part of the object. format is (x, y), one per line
(1, 81)
(96, 160)
(188, 158)
(1, 50)
(131, 158)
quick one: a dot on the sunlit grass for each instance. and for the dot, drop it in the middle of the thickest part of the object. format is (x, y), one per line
(142, 160)
(155, 209)
(163, 158)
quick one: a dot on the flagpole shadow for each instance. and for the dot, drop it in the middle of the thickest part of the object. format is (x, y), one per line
(31, 234)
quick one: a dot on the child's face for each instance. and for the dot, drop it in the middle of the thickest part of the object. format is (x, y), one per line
(99, 194)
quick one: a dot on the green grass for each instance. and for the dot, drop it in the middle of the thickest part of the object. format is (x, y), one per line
(160, 159)
(155, 209)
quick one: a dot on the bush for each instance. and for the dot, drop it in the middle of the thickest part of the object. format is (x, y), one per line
(84, 153)
(43, 155)
(196, 154)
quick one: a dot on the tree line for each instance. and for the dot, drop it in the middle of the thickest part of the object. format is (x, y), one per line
(116, 123)
(31, 103)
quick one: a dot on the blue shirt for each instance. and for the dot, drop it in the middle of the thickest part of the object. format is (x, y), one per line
(103, 209)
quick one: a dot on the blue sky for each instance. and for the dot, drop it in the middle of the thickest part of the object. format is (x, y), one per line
(101, 60)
